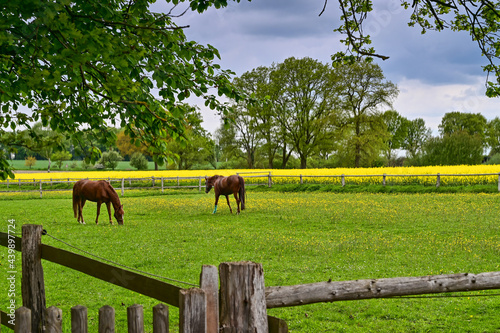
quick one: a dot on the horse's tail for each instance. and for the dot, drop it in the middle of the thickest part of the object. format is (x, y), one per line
(75, 202)
(242, 192)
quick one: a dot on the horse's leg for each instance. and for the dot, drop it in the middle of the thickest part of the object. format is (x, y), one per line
(80, 211)
(227, 198)
(108, 205)
(98, 211)
(237, 201)
(216, 202)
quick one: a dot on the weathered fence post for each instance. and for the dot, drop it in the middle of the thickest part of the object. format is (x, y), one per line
(106, 319)
(277, 325)
(53, 320)
(40, 189)
(343, 180)
(19, 183)
(153, 181)
(301, 182)
(269, 180)
(209, 282)
(178, 182)
(243, 301)
(438, 180)
(23, 320)
(160, 318)
(79, 319)
(192, 311)
(32, 283)
(135, 318)
(199, 184)
(383, 179)
(499, 182)
(123, 186)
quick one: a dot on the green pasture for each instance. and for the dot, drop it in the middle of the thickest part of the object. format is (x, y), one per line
(299, 237)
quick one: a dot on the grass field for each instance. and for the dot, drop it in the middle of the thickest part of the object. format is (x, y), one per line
(299, 238)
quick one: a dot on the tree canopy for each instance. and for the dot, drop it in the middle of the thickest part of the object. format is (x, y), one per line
(81, 65)
(480, 18)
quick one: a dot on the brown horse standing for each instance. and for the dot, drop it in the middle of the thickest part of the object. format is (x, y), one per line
(99, 191)
(225, 186)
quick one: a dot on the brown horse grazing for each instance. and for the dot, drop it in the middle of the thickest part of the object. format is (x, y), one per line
(225, 186)
(96, 191)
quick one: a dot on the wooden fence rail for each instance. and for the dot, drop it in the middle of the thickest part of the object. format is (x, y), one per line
(198, 307)
(378, 288)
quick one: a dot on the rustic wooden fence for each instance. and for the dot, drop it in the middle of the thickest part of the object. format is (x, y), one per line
(252, 179)
(240, 305)
(198, 307)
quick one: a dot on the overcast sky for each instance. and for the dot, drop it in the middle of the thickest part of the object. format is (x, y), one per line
(436, 73)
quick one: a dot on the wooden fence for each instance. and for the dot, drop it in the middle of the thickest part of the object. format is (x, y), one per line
(198, 307)
(240, 305)
(266, 179)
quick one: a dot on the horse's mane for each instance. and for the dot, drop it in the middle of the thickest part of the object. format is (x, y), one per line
(111, 190)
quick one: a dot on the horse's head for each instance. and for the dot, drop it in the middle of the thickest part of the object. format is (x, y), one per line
(119, 214)
(210, 182)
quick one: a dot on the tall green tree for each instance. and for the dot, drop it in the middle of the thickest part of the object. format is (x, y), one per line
(493, 136)
(197, 149)
(262, 127)
(364, 94)
(453, 149)
(81, 64)
(416, 137)
(470, 123)
(110, 159)
(231, 154)
(60, 156)
(307, 94)
(38, 139)
(397, 128)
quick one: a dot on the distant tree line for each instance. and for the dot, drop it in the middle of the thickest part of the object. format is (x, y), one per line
(316, 115)
(302, 113)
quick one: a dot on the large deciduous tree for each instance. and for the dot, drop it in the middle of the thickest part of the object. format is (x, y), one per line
(493, 136)
(397, 128)
(364, 94)
(453, 149)
(264, 127)
(470, 123)
(307, 95)
(77, 65)
(197, 149)
(416, 137)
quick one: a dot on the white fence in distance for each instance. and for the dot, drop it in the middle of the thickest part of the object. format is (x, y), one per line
(163, 183)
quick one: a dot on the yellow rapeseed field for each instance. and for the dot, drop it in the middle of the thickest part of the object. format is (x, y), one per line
(395, 175)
